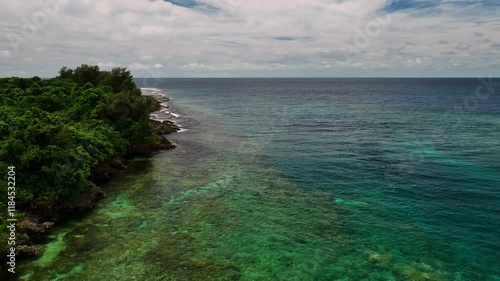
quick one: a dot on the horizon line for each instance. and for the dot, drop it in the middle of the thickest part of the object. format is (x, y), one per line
(346, 77)
(295, 77)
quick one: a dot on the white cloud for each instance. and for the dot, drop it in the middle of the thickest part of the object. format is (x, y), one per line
(243, 37)
(142, 66)
(107, 64)
(194, 66)
(5, 53)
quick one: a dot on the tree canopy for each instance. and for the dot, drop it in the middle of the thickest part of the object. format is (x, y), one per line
(55, 131)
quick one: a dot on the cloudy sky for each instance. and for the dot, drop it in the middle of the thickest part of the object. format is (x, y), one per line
(253, 38)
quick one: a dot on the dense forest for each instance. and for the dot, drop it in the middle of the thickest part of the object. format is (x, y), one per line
(55, 131)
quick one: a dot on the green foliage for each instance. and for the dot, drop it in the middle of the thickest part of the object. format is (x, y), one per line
(87, 74)
(65, 73)
(119, 79)
(56, 131)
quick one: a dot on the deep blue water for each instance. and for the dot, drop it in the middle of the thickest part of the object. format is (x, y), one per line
(413, 164)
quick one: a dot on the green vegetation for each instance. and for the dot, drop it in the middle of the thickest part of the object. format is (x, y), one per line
(55, 131)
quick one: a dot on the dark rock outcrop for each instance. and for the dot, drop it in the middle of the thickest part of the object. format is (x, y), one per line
(29, 231)
(33, 229)
(106, 170)
(155, 105)
(165, 127)
(87, 199)
(156, 102)
(29, 251)
(148, 149)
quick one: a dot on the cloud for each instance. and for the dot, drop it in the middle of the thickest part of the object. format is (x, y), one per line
(5, 53)
(141, 66)
(463, 46)
(254, 38)
(107, 64)
(194, 66)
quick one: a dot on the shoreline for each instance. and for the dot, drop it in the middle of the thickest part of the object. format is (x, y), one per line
(37, 224)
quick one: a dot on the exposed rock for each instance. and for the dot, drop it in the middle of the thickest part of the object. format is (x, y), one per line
(156, 101)
(33, 229)
(148, 149)
(155, 105)
(22, 239)
(105, 171)
(29, 231)
(118, 163)
(29, 251)
(165, 127)
(87, 200)
(166, 144)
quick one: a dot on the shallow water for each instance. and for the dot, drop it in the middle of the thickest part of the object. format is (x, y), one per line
(300, 180)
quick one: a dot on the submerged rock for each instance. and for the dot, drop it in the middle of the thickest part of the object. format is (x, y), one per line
(379, 258)
(351, 203)
(421, 272)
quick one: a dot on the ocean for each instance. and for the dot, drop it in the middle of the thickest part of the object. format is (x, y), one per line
(302, 179)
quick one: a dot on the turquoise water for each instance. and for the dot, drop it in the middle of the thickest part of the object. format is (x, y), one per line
(301, 179)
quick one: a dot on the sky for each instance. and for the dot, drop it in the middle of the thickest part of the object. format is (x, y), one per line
(253, 38)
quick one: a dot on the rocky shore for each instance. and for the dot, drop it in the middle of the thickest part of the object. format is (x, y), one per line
(38, 223)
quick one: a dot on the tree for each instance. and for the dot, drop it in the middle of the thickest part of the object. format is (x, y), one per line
(120, 79)
(65, 73)
(87, 74)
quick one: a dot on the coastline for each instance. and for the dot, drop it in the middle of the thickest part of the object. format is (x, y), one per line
(37, 224)
(221, 203)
